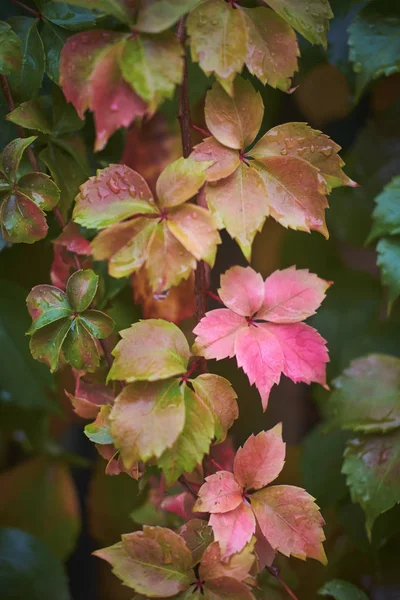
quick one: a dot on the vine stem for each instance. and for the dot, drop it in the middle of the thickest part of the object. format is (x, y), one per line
(202, 274)
(275, 572)
(56, 211)
(27, 8)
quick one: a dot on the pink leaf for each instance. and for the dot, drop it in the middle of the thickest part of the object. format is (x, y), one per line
(226, 160)
(73, 240)
(219, 494)
(242, 290)
(89, 396)
(304, 351)
(292, 295)
(260, 355)
(234, 529)
(216, 333)
(261, 459)
(290, 520)
(181, 505)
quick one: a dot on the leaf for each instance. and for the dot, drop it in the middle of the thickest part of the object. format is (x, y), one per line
(115, 193)
(342, 590)
(219, 494)
(225, 588)
(41, 189)
(218, 39)
(218, 393)
(180, 181)
(121, 9)
(371, 465)
(388, 261)
(240, 205)
(310, 18)
(29, 569)
(196, 229)
(12, 155)
(272, 48)
(226, 160)
(39, 496)
(292, 295)
(366, 396)
(374, 43)
(216, 334)
(238, 566)
(261, 459)
(26, 82)
(157, 15)
(242, 290)
(46, 304)
(89, 396)
(32, 115)
(290, 521)
(197, 535)
(64, 15)
(154, 561)
(10, 49)
(153, 66)
(300, 141)
(234, 121)
(150, 350)
(53, 39)
(233, 529)
(97, 323)
(146, 419)
(90, 78)
(99, 431)
(79, 348)
(193, 442)
(21, 220)
(81, 289)
(386, 215)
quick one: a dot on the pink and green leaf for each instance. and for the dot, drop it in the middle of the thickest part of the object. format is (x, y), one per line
(81, 289)
(218, 393)
(180, 181)
(41, 189)
(225, 160)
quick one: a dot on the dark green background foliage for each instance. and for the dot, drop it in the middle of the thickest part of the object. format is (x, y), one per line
(343, 450)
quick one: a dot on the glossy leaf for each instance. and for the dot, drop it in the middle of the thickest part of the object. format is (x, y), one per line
(53, 39)
(153, 66)
(218, 393)
(226, 160)
(260, 460)
(389, 264)
(310, 18)
(374, 43)
(32, 115)
(150, 350)
(180, 181)
(234, 121)
(194, 440)
(272, 48)
(22, 220)
(387, 212)
(46, 304)
(146, 419)
(12, 154)
(342, 590)
(218, 39)
(10, 49)
(26, 81)
(371, 465)
(115, 193)
(41, 189)
(366, 396)
(81, 289)
(45, 344)
(80, 348)
(290, 521)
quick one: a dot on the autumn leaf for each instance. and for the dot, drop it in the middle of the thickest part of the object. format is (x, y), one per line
(241, 505)
(262, 327)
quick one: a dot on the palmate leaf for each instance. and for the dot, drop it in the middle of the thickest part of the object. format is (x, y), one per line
(262, 327)
(287, 174)
(164, 237)
(63, 322)
(342, 590)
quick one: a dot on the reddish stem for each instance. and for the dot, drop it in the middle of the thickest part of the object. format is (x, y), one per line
(214, 462)
(203, 132)
(182, 479)
(28, 8)
(275, 572)
(214, 296)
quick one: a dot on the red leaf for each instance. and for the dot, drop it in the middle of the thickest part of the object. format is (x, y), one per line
(233, 529)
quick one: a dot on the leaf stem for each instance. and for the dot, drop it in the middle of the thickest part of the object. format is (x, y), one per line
(275, 572)
(201, 281)
(27, 8)
(182, 479)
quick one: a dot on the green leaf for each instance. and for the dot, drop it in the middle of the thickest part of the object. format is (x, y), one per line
(39, 497)
(387, 212)
(98, 323)
(23, 381)
(22, 220)
(12, 155)
(342, 590)
(53, 39)
(153, 66)
(25, 83)
(321, 463)
(121, 9)
(79, 347)
(67, 16)
(374, 41)
(389, 264)
(10, 49)
(146, 419)
(28, 569)
(371, 465)
(65, 117)
(46, 343)
(99, 431)
(47, 304)
(157, 15)
(155, 561)
(180, 181)
(218, 393)
(150, 350)
(194, 440)
(367, 395)
(33, 114)
(41, 189)
(308, 17)
(81, 289)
